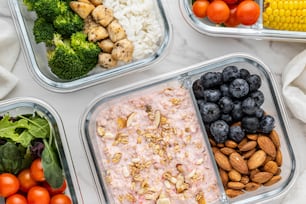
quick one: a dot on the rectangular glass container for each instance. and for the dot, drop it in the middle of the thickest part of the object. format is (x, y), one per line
(27, 105)
(256, 31)
(90, 124)
(36, 56)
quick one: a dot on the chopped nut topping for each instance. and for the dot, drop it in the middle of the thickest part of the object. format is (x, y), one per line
(117, 157)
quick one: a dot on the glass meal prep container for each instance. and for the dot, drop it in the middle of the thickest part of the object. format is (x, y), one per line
(36, 55)
(147, 142)
(256, 31)
(29, 106)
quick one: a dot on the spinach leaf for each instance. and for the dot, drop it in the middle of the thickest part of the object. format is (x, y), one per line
(38, 127)
(14, 158)
(51, 165)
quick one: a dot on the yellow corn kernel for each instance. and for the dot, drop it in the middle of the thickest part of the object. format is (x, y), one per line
(285, 15)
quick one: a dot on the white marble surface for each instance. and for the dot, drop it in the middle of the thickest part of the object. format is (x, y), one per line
(188, 47)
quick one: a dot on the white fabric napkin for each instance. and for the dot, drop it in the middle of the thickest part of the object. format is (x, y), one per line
(294, 86)
(9, 50)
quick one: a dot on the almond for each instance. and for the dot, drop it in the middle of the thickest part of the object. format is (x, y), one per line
(271, 166)
(251, 186)
(238, 163)
(233, 193)
(130, 119)
(245, 179)
(212, 142)
(262, 177)
(231, 144)
(242, 142)
(234, 175)
(257, 159)
(275, 138)
(279, 158)
(252, 136)
(222, 161)
(273, 180)
(266, 144)
(248, 146)
(235, 185)
(224, 176)
(227, 150)
(249, 153)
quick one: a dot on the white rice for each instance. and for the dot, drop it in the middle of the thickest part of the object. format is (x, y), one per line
(139, 19)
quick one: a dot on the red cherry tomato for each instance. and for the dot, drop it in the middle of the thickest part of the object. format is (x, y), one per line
(9, 184)
(232, 21)
(60, 199)
(36, 170)
(38, 195)
(199, 8)
(218, 11)
(16, 199)
(26, 180)
(54, 191)
(248, 12)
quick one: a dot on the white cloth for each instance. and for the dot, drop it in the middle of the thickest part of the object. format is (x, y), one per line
(294, 86)
(9, 50)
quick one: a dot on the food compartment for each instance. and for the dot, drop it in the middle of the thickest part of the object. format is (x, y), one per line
(277, 20)
(143, 36)
(246, 125)
(27, 121)
(151, 140)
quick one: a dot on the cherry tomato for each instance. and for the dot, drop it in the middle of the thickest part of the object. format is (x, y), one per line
(38, 195)
(60, 199)
(26, 180)
(9, 184)
(54, 191)
(218, 11)
(230, 1)
(16, 199)
(232, 21)
(248, 12)
(199, 8)
(36, 170)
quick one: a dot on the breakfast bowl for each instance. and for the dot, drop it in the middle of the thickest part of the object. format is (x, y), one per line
(147, 28)
(153, 136)
(31, 118)
(276, 21)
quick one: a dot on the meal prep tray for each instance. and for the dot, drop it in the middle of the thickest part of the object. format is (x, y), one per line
(256, 31)
(36, 55)
(99, 128)
(27, 105)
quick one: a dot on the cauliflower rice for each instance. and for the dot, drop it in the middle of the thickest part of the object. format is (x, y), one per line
(140, 22)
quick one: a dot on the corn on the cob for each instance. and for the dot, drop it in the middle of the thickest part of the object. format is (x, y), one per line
(285, 15)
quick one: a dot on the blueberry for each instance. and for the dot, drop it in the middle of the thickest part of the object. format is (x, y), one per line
(259, 97)
(249, 106)
(237, 113)
(224, 89)
(266, 124)
(230, 73)
(209, 111)
(254, 82)
(239, 88)
(236, 133)
(197, 89)
(211, 79)
(226, 104)
(219, 130)
(227, 118)
(250, 124)
(259, 113)
(212, 95)
(244, 73)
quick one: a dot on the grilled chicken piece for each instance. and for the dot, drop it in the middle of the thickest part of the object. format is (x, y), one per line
(102, 15)
(83, 9)
(106, 60)
(97, 33)
(96, 2)
(116, 31)
(85, 1)
(106, 45)
(123, 50)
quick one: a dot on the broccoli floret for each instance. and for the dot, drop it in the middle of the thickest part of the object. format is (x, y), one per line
(88, 51)
(68, 23)
(29, 4)
(65, 62)
(43, 31)
(50, 9)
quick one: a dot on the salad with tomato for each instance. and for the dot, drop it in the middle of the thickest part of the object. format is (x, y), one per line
(228, 13)
(30, 168)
